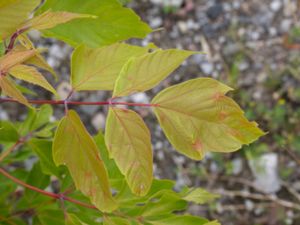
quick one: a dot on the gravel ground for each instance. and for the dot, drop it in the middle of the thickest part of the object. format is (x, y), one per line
(252, 46)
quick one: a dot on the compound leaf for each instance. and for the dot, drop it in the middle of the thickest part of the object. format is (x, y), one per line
(128, 142)
(75, 148)
(197, 117)
(145, 72)
(107, 63)
(113, 23)
(9, 89)
(37, 59)
(13, 13)
(31, 75)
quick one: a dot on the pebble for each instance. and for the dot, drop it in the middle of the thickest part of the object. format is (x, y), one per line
(164, 3)
(207, 68)
(275, 5)
(183, 27)
(98, 121)
(264, 169)
(285, 25)
(140, 97)
(156, 22)
(214, 11)
(237, 166)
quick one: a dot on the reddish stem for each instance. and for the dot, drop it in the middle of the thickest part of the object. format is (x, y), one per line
(62, 102)
(49, 194)
(13, 39)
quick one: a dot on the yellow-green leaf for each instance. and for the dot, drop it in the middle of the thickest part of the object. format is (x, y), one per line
(197, 117)
(37, 59)
(8, 88)
(114, 23)
(25, 41)
(13, 58)
(75, 148)
(145, 72)
(128, 142)
(31, 75)
(13, 13)
(50, 19)
(199, 196)
(98, 69)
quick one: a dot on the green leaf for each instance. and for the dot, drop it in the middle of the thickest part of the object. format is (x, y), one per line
(25, 90)
(128, 141)
(106, 66)
(180, 220)
(9, 89)
(50, 19)
(215, 222)
(75, 148)
(114, 22)
(197, 117)
(31, 75)
(163, 204)
(72, 219)
(2, 48)
(8, 133)
(115, 221)
(43, 149)
(13, 13)
(36, 119)
(37, 179)
(199, 195)
(143, 73)
(49, 217)
(110, 165)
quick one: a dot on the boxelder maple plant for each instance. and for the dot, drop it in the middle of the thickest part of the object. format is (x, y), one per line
(105, 179)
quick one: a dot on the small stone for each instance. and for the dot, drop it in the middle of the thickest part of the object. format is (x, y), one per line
(52, 62)
(249, 205)
(285, 25)
(64, 89)
(156, 22)
(214, 12)
(254, 35)
(236, 4)
(206, 68)
(3, 115)
(275, 5)
(231, 49)
(237, 166)
(98, 121)
(182, 27)
(244, 65)
(272, 31)
(140, 97)
(264, 169)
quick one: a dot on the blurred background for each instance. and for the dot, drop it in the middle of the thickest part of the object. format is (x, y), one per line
(252, 46)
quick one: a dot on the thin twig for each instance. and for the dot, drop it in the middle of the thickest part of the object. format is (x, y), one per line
(46, 193)
(13, 39)
(263, 197)
(20, 141)
(62, 102)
